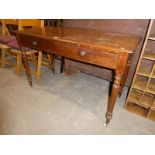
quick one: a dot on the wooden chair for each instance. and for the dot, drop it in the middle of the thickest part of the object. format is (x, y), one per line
(5, 38)
(14, 48)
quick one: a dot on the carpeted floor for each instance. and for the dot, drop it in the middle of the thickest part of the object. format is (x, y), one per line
(61, 104)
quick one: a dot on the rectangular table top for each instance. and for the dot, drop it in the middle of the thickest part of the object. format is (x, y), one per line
(112, 42)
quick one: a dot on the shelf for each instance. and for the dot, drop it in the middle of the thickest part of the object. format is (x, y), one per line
(135, 95)
(153, 106)
(153, 75)
(151, 37)
(140, 83)
(152, 115)
(145, 71)
(149, 55)
(152, 33)
(141, 99)
(139, 110)
(151, 87)
(147, 100)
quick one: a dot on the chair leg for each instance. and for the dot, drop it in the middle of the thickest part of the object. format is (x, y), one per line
(19, 64)
(3, 60)
(51, 62)
(39, 65)
(49, 59)
(33, 59)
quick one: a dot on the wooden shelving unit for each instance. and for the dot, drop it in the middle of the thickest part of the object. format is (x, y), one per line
(141, 97)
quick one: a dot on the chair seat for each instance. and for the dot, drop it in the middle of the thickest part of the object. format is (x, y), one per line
(6, 38)
(14, 51)
(4, 46)
(14, 45)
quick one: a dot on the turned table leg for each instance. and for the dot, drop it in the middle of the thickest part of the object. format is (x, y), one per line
(25, 60)
(114, 94)
(26, 65)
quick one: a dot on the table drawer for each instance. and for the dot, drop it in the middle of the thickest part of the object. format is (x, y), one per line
(37, 43)
(93, 56)
(101, 58)
(73, 51)
(105, 59)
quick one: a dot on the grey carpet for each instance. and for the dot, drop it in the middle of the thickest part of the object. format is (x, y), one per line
(61, 104)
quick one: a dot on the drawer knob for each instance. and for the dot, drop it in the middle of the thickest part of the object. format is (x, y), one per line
(34, 42)
(83, 53)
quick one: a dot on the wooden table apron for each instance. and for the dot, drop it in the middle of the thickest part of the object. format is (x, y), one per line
(103, 49)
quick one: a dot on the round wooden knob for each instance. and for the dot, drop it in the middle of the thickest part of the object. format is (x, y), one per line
(34, 42)
(83, 53)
